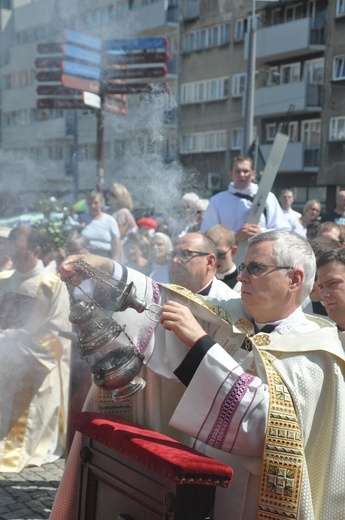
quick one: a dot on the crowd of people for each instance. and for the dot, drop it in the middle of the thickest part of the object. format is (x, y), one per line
(246, 363)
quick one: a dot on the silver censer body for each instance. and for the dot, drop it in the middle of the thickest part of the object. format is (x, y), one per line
(114, 365)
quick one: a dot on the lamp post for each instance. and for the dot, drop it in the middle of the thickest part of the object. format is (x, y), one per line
(250, 86)
(248, 131)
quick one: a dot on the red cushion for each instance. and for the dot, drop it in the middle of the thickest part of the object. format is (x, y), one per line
(154, 450)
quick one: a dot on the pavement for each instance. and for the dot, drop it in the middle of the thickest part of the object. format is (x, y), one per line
(29, 495)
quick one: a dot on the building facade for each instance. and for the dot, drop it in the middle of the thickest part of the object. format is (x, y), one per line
(298, 86)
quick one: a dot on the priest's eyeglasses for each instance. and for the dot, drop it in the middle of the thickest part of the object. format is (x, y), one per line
(185, 254)
(254, 267)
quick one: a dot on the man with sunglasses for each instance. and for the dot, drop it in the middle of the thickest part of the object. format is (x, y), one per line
(231, 207)
(268, 403)
(193, 265)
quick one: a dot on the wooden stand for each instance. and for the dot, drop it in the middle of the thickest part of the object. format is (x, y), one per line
(131, 473)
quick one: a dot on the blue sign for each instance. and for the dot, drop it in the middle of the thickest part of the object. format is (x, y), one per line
(77, 69)
(82, 39)
(135, 44)
(82, 54)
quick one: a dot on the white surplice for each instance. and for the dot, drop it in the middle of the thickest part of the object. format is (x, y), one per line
(35, 361)
(310, 359)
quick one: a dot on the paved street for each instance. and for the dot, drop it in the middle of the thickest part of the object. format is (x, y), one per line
(29, 495)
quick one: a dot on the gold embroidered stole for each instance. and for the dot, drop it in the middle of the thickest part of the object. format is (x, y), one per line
(283, 459)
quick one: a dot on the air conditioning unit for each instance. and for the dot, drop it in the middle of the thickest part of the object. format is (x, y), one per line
(214, 181)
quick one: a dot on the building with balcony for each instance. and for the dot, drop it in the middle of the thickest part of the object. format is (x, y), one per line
(299, 86)
(299, 82)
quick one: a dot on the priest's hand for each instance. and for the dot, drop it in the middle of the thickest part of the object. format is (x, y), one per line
(75, 273)
(180, 320)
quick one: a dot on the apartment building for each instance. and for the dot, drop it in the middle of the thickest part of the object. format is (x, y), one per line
(299, 83)
(42, 143)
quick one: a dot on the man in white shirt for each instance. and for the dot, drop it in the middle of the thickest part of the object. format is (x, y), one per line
(231, 207)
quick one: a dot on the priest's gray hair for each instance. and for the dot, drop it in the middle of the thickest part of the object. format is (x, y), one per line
(293, 250)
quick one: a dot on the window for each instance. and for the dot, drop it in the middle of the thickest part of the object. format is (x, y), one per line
(201, 142)
(240, 29)
(313, 71)
(340, 7)
(239, 82)
(271, 130)
(273, 76)
(292, 131)
(237, 139)
(339, 68)
(290, 73)
(294, 12)
(311, 131)
(213, 36)
(337, 129)
(204, 91)
(277, 16)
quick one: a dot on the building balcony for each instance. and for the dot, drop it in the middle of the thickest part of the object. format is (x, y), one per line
(275, 100)
(191, 9)
(156, 18)
(290, 39)
(297, 158)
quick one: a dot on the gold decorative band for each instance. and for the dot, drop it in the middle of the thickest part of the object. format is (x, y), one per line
(281, 477)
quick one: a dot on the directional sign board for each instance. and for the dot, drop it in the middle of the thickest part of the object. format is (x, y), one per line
(92, 100)
(111, 105)
(77, 69)
(136, 44)
(136, 88)
(82, 39)
(136, 58)
(144, 72)
(60, 103)
(78, 53)
(74, 82)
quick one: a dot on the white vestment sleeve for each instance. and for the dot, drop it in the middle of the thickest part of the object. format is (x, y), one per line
(224, 407)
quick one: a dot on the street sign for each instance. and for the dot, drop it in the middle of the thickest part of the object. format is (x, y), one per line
(136, 43)
(60, 103)
(144, 72)
(111, 105)
(77, 69)
(55, 90)
(136, 58)
(82, 39)
(51, 62)
(48, 75)
(82, 54)
(74, 82)
(135, 88)
(92, 100)
(48, 48)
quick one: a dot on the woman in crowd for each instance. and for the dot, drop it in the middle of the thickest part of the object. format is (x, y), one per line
(160, 246)
(311, 211)
(102, 230)
(120, 207)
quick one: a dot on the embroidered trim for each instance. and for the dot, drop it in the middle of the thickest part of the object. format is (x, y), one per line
(281, 478)
(227, 411)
